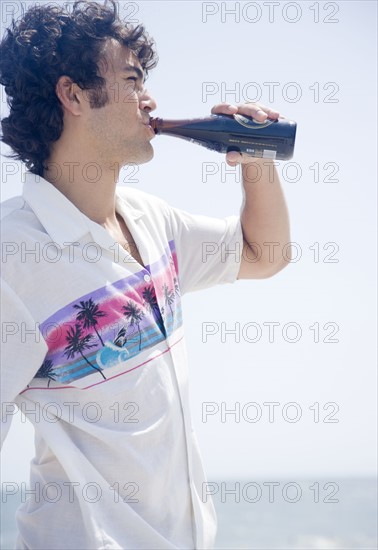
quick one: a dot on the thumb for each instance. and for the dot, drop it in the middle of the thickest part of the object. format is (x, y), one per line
(233, 158)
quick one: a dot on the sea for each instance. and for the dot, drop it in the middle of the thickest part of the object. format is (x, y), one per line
(326, 514)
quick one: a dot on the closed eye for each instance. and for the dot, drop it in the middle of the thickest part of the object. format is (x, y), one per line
(137, 86)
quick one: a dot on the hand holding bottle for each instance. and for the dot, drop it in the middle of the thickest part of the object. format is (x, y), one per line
(257, 111)
(250, 130)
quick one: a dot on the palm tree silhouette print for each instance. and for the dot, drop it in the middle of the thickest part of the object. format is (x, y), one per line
(169, 296)
(152, 304)
(77, 343)
(89, 314)
(46, 370)
(177, 288)
(135, 315)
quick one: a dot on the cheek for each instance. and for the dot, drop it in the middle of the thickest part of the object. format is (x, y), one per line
(130, 96)
(127, 93)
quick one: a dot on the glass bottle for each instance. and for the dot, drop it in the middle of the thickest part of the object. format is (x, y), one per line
(272, 139)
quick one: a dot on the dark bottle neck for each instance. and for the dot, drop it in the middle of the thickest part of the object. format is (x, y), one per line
(155, 124)
(160, 125)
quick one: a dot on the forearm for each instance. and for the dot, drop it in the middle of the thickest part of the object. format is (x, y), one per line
(264, 217)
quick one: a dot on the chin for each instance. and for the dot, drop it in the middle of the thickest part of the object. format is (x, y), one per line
(149, 156)
(140, 157)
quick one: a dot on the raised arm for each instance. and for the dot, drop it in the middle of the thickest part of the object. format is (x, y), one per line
(264, 215)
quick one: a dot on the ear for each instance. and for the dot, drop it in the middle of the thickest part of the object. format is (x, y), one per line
(70, 95)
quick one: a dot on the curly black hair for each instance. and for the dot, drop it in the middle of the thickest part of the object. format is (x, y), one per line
(45, 43)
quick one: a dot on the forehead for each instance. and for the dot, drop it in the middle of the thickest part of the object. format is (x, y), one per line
(117, 57)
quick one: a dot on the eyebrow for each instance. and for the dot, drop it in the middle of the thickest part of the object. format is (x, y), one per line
(140, 73)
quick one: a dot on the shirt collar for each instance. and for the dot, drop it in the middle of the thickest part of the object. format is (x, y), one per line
(62, 220)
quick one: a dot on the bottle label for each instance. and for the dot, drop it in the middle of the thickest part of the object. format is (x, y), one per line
(269, 154)
(251, 123)
(261, 153)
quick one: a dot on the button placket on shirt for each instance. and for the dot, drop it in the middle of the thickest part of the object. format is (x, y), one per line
(146, 251)
(180, 376)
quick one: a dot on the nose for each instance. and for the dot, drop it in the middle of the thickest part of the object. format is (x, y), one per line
(146, 101)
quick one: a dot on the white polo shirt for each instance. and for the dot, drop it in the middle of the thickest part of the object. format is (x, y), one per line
(93, 353)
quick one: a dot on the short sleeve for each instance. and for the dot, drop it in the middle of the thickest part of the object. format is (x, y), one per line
(23, 349)
(209, 250)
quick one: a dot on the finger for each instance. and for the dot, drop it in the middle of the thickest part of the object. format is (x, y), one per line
(258, 111)
(233, 158)
(224, 108)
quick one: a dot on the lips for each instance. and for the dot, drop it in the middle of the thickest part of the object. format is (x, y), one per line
(150, 129)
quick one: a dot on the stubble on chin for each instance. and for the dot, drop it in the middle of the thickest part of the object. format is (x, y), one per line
(135, 155)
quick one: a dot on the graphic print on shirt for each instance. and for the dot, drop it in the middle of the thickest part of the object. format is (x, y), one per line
(112, 324)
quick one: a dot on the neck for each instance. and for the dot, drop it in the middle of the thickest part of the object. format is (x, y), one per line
(89, 184)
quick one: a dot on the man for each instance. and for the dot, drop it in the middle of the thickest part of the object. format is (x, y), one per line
(93, 274)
